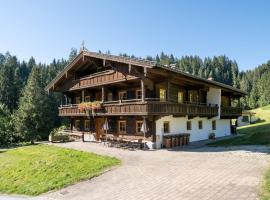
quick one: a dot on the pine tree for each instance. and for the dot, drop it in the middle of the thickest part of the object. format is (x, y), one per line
(73, 53)
(7, 81)
(6, 133)
(33, 117)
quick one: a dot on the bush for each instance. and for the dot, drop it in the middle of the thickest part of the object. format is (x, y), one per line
(211, 136)
(58, 131)
(58, 135)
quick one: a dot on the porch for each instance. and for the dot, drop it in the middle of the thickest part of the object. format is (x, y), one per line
(116, 130)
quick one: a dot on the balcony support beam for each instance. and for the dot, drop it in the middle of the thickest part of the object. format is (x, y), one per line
(102, 94)
(82, 96)
(143, 90)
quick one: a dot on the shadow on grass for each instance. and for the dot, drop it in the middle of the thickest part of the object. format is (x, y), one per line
(15, 145)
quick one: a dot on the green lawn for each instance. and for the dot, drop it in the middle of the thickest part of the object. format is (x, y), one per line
(254, 134)
(35, 169)
(265, 195)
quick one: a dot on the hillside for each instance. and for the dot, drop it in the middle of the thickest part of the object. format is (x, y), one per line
(254, 134)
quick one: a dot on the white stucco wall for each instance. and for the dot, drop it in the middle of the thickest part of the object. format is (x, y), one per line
(178, 125)
(214, 97)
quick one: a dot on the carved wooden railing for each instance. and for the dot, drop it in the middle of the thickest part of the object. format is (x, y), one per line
(145, 108)
(106, 77)
(230, 112)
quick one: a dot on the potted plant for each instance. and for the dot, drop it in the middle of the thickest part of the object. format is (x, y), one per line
(89, 106)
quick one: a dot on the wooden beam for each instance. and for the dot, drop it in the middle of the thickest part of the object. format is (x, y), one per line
(145, 71)
(129, 68)
(102, 94)
(168, 91)
(143, 90)
(82, 95)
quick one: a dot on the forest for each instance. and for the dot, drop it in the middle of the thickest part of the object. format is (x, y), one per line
(28, 112)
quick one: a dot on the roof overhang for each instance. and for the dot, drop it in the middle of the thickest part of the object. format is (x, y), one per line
(137, 62)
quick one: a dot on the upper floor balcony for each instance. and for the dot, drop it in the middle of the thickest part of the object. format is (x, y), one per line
(147, 107)
(230, 112)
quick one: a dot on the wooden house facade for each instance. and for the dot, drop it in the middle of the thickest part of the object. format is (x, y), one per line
(131, 93)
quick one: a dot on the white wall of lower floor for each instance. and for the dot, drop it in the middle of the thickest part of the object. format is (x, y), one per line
(179, 125)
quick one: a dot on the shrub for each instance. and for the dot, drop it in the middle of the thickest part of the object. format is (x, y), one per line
(211, 136)
(58, 135)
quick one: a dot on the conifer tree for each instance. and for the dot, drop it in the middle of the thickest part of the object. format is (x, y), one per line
(33, 117)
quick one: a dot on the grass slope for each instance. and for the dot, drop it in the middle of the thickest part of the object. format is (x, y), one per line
(254, 134)
(36, 169)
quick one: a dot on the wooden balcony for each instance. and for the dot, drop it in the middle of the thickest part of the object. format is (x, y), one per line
(102, 78)
(230, 112)
(145, 108)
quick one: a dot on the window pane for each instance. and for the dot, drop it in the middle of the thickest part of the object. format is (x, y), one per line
(123, 95)
(87, 125)
(162, 94)
(122, 126)
(139, 126)
(180, 97)
(77, 100)
(200, 125)
(138, 94)
(214, 125)
(110, 96)
(166, 127)
(188, 125)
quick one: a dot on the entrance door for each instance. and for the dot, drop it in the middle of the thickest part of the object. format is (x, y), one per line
(99, 129)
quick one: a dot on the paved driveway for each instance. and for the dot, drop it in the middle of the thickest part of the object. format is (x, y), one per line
(195, 173)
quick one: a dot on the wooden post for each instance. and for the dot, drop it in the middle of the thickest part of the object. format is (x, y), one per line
(82, 95)
(71, 124)
(102, 94)
(143, 90)
(168, 91)
(66, 100)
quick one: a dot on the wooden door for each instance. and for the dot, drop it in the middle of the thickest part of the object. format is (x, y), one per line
(99, 127)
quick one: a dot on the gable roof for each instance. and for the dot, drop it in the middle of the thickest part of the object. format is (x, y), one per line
(136, 62)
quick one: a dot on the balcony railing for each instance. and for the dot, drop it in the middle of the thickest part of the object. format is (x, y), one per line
(137, 107)
(102, 78)
(230, 112)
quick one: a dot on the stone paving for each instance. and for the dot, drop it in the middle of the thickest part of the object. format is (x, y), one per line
(191, 173)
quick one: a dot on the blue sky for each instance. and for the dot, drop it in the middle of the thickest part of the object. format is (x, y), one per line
(49, 29)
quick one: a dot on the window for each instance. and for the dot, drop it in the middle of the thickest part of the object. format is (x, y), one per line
(139, 126)
(225, 101)
(200, 124)
(214, 125)
(77, 124)
(188, 125)
(87, 125)
(166, 127)
(122, 126)
(77, 100)
(87, 99)
(193, 96)
(110, 96)
(138, 94)
(162, 94)
(123, 95)
(180, 97)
